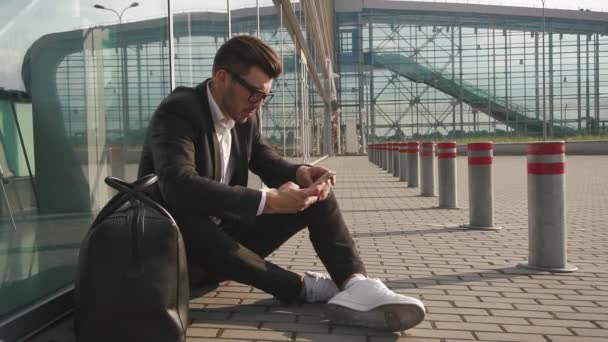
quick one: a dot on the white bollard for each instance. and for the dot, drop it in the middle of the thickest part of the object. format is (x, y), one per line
(412, 164)
(389, 158)
(374, 153)
(384, 156)
(446, 160)
(547, 230)
(396, 148)
(481, 186)
(403, 162)
(427, 169)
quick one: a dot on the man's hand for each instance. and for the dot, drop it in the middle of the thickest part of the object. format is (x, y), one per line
(289, 198)
(306, 175)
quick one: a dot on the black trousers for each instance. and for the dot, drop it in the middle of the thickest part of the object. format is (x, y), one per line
(234, 251)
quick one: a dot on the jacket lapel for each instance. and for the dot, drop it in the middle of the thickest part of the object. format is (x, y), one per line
(240, 163)
(209, 132)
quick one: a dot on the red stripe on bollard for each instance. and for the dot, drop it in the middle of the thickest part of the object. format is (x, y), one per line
(480, 146)
(446, 155)
(426, 154)
(480, 160)
(549, 148)
(428, 144)
(412, 150)
(446, 145)
(546, 168)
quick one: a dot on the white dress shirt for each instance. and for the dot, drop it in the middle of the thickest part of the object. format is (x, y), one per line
(223, 125)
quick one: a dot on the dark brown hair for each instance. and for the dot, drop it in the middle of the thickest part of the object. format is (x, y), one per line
(241, 53)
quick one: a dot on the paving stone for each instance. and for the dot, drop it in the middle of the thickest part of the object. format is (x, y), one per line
(328, 338)
(495, 319)
(561, 323)
(440, 333)
(530, 329)
(583, 316)
(227, 324)
(257, 335)
(296, 327)
(487, 336)
(202, 332)
(591, 332)
(250, 317)
(468, 326)
(575, 339)
(406, 338)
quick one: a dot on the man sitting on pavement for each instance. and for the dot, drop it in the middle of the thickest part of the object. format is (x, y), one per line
(202, 141)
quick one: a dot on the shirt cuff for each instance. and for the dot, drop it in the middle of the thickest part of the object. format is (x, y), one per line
(262, 202)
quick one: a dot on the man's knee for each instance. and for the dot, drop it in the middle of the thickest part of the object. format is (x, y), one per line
(328, 206)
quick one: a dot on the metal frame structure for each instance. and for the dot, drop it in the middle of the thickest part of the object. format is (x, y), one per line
(424, 70)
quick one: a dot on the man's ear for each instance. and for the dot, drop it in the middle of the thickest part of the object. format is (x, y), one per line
(221, 74)
(220, 78)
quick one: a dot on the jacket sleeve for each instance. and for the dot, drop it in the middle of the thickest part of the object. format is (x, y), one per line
(172, 139)
(267, 163)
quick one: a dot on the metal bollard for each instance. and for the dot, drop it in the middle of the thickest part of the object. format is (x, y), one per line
(389, 157)
(372, 153)
(384, 156)
(396, 148)
(446, 174)
(391, 160)
(412, 164)
(481, 187)
(547, 230)
(376, 155)
(427, 169)
(403, 162)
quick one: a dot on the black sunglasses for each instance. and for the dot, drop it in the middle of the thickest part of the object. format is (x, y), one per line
(256, 95)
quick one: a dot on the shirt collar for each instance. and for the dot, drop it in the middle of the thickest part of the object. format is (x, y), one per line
(218, 117)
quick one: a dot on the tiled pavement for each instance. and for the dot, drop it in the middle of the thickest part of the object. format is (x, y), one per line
(467, 278)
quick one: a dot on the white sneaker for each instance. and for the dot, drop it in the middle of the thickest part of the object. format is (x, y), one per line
(369, 303)
(318, 288)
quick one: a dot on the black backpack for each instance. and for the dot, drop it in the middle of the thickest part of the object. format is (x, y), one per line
(132, 280)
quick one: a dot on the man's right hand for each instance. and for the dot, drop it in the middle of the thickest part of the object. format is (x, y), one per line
(289, 198)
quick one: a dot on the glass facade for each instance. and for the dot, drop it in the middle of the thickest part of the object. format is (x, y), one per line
(428, 74)
(70, 91)
(76, 96)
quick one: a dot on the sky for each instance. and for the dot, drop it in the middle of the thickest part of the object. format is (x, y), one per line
(18, 18)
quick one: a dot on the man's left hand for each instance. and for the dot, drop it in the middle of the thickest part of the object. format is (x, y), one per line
(306, 175)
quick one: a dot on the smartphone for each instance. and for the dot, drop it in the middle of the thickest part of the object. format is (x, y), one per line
(327, 175)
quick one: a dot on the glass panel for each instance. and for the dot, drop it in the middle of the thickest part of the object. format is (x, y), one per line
(199, 32)
(75, 97)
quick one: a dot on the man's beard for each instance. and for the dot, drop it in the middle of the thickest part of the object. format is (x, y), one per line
(228, 102)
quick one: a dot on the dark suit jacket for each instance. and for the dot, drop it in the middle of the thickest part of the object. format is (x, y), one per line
(181, 147)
